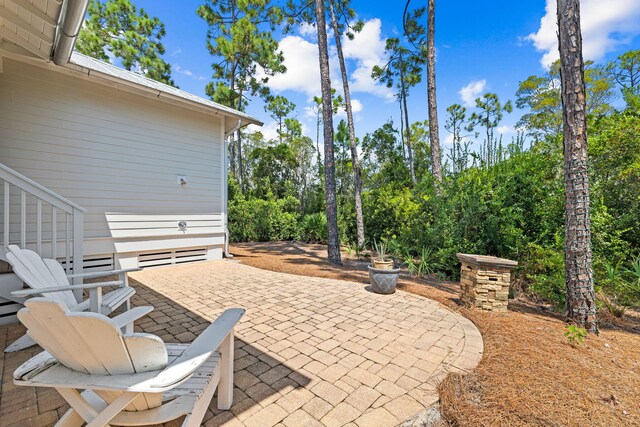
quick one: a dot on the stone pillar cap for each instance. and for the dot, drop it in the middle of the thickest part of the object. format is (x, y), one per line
(487, 261)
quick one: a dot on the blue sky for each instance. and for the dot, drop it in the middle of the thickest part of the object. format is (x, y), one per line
(481, 46)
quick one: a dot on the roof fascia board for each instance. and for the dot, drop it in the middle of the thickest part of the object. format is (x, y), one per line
(117, 83)
(132, 86)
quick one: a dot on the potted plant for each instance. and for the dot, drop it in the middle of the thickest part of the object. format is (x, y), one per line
(382, 274)
(381, 261)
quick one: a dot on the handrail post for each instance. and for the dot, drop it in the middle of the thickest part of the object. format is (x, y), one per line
(39, 226)
(78, 252)
(23, 218)
(226, 235)
(7, 216)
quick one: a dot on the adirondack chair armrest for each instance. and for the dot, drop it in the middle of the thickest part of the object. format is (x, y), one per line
(59, 376)
(32, 367)
(132, 315)
(89, 286)
(199, 350)
(96, 274)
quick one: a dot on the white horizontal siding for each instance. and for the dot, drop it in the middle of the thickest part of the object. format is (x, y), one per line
(107, 150)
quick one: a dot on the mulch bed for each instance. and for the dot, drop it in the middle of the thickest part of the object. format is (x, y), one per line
(529, 374)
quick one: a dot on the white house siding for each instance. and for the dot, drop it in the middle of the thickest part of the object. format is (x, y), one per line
(109, 150)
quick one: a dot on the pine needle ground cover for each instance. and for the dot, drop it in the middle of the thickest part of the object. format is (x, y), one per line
(530, 373)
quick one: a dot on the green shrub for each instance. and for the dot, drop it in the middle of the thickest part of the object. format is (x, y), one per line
(543, 270)
(259, 220)
(313, 228)
(389, 212)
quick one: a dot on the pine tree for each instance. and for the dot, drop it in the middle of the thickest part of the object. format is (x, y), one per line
(626, 72)
(279, 107)
(489, 114)
(333, 237)
(116, 28)
(459, 148)
(402, 70)
(241, 46)
(423, 41)
(540, 96)
(434, 131)
(357, 174)
(581, 306)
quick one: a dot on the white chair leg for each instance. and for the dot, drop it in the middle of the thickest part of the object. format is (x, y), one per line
(128, 329)
(95, 296)
(194, 419)
(78, 403)
(70, 419)
(88, 413)
(112, 410)
(225, 387)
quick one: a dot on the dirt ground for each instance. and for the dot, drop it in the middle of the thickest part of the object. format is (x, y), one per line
(529, 374)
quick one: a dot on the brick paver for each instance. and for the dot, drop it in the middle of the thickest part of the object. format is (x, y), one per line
(309, 351)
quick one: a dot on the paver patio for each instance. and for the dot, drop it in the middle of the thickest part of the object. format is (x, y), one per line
(309, 351)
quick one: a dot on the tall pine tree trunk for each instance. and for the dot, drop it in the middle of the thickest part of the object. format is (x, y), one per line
(487, 152)
(434, 132)
(403, 98)
(232, 146)
(581, 307)
(240, 172)
(232, 156)
(318, 123)
(239, 153)
(333, 238)
(357, 175)
(412, 171)
(404, 155)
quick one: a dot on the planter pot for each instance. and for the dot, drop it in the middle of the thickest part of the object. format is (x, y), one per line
(383, 281)
(383, 265)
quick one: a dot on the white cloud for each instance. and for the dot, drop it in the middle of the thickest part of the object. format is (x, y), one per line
(269, 131)
(604, 24)
(303, 70)
(367, 50)
(356, 107)
(301, 59)
(448, 139)
(253, 128)
(310, 112)
(504, 129)
(178, 69)
(307, 30)
(184, 71)
(175, 52)
(470, 92)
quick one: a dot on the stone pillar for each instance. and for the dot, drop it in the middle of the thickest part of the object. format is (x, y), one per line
(484, 281)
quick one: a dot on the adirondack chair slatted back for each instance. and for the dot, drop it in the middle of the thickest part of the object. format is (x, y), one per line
(92, 343)
(40, 273)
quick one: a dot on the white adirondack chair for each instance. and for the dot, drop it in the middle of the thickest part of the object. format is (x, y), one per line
(128, 379)
(47, 277)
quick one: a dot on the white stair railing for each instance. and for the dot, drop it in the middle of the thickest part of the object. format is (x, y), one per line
(35, 217)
